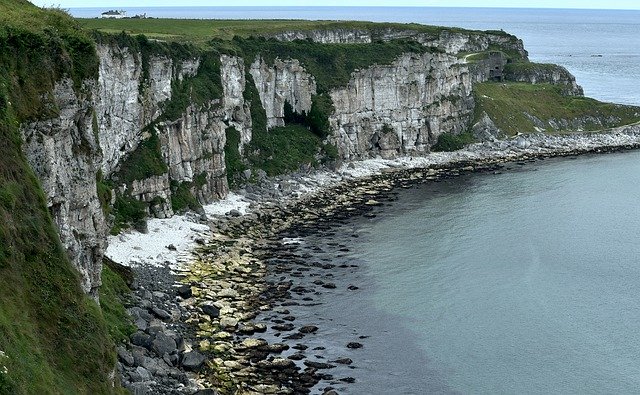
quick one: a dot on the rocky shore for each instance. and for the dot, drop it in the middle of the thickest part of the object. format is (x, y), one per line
(204, 310)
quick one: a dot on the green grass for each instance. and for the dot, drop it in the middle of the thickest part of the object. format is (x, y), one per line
(146, 161)
(113, 294)
(182, 199)
(55, 336)
(201, 31)
(448, 142)
(232, 158)
(284, 149)
(507, 105)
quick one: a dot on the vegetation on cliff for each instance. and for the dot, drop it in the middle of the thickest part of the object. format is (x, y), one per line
(55, 338)
(528, 108)
(201, 31)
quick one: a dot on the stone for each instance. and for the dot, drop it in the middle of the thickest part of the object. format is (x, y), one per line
(160, 313)
(163, 344)
(125, 356)
(193, 360)
(254, 343)
(228, 322)
(210, 310)
(308, 329)
(207, 391)
(140, 339)
(184, 291)
(343, 361)
(318, 365)
(354, 345)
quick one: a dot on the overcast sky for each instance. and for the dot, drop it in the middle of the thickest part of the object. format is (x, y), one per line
(604, 4)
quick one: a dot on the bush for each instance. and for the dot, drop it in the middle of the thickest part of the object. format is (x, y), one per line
(448, 142)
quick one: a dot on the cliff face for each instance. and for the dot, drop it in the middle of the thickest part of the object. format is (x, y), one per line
(401, 108)
(283, 81)
(65, 155)
(544, 74)
(387, 110)
(450, 41)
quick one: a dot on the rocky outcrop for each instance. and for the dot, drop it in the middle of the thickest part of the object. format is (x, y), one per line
(193, 149)
(284, 81)
(536, 73)
(327, 36)
(452, 41)
(401, 108)
(125, 102)
(384, 110)
(156, 191)
(237, 111)
(65, 155)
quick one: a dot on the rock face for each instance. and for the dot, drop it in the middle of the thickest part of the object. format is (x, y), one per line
(385, 110)
(545, 74)
(283, 81)
(401, 108)
(65, 155)
(450, 41)
(193, 149)
(237, 111)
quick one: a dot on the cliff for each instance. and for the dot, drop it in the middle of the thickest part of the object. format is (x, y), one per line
(147, 135)
(119, 127)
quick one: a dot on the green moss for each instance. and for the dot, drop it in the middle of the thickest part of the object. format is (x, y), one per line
(258, 114)
(146, 161)
(448, 142)
(232, 158)
(330, 64)
(284, 149)
(114, 293)
(127, 212)
(318, 118)
(198, 90)
(182, 199)
(103, 188)
(512, 105)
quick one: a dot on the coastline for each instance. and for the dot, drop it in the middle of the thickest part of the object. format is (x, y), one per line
(227, 276)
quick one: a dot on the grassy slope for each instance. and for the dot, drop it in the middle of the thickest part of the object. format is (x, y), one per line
(508, 103)
(55, 337)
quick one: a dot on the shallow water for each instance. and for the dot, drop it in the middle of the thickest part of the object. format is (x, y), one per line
(521, 282)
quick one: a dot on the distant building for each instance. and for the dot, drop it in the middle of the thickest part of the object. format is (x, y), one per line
(114, 14)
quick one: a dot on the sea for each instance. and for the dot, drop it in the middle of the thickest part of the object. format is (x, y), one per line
(520, 282)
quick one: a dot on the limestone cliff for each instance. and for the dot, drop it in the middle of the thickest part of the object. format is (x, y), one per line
(154, 122)
(534, 73)
(64, 153)
(400, 109)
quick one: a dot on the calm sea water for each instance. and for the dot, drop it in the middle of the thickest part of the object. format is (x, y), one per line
(601, 48)
(524, 282)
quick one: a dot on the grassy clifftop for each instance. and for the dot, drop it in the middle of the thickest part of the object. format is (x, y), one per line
(518, 107)
(55, 338)
(201, 31)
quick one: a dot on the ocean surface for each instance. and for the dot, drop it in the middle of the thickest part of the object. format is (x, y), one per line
(524, 282)
(600, 47)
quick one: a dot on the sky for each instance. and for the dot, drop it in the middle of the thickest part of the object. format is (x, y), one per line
(600, 4)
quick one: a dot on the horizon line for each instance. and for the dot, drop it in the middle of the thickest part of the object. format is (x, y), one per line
(370, 6)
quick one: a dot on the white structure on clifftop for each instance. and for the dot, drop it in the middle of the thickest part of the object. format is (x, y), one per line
(114, 14)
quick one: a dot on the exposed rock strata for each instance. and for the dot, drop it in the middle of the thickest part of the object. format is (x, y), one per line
(64, 154)
(401, 109)
(284, 81)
